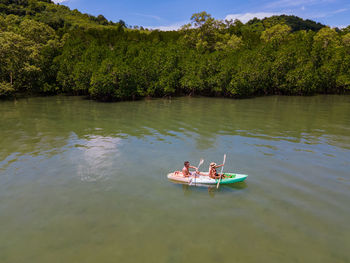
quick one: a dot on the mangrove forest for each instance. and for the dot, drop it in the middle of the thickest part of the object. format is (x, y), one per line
(46, 49)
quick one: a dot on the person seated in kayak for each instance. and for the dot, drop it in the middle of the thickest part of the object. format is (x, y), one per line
(213, 173)
(186, 172)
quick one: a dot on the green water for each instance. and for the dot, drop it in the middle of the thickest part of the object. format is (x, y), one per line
(82, 181)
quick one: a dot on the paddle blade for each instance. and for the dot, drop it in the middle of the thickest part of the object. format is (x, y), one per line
(200, 163)
(222, 168)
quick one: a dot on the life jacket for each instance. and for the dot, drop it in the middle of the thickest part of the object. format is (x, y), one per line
(214, 172)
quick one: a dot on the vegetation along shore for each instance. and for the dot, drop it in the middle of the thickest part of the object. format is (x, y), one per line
(46, 48)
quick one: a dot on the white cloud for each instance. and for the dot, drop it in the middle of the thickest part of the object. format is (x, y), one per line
(148, 16)
(340, 10)
(293, 3)
(248, 16)
(326, 14)
(175, 26)
(60, 1)
(313, 15)
(340, 26)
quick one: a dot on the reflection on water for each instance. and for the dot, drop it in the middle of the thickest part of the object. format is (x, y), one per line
(188, 190)
(97, 152)
(82, 181)
(40, 124)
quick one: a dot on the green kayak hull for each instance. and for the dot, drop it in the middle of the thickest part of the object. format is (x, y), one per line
(204, 179)
(232, 178)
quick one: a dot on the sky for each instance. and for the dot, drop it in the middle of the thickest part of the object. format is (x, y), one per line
(171, 14)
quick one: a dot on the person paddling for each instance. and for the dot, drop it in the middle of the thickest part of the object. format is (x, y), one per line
(186, 172)
(213, 173)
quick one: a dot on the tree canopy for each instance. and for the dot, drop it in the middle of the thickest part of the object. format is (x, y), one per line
(47, 48)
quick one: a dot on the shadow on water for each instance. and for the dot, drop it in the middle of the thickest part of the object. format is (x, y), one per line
(188, 190)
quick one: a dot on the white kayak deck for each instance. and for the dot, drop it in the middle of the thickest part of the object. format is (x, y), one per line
(204, 179)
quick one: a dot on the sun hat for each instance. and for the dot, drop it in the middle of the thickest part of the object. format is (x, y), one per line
(212, 164)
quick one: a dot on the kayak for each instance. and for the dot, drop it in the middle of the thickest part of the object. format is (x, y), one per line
(202, 179)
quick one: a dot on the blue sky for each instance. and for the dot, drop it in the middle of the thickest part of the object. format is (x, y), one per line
(168, 14)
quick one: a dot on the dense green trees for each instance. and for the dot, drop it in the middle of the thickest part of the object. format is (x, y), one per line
(47, 48)
(18, 57)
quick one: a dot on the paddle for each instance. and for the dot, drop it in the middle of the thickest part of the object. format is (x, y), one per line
(200, 163)
(222, 168)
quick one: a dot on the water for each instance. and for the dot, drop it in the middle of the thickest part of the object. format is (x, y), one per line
(82, 181)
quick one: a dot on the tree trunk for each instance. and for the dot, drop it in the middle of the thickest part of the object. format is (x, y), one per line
(11, 79)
